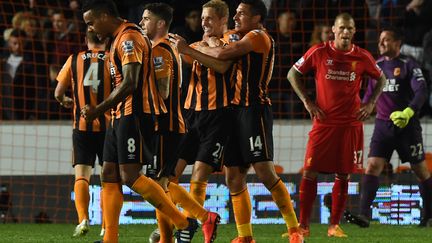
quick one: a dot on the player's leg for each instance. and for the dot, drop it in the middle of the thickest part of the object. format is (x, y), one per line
(131, 154)
(84, 151)
(370, 183)
(425, 185)
(240, 198)
(267, 175)
(308, 192)
(339, 197)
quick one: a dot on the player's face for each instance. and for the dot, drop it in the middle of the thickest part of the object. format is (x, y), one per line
(149, 23)
(343, 32)
(211, 23)
(96, 24)
(244, 20)
(388, 45)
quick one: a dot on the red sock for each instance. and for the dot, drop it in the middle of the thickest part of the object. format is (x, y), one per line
(308, 191)
(339, 197)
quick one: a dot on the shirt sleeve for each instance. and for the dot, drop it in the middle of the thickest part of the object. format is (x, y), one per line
(132, 48)
(306, 62)
(65, 74)
(371, 68)
(418, 85)
(163, 63)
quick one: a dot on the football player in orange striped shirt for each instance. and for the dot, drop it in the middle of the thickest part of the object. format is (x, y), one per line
(135, 101)
(251, 142)
(88, 74)
(155, 21)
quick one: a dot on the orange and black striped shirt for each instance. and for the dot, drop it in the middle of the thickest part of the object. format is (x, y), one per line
(88, 74)
(130, 45)
(253, 71)
(208, 90)
(167, 64)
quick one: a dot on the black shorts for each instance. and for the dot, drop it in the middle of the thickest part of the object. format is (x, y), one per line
(130, 139)
(408, 141)
(207, 138)
(167, 147)
(86, 146)
(252, 136)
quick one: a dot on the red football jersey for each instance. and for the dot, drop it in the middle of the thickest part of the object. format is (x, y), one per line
(338, 77)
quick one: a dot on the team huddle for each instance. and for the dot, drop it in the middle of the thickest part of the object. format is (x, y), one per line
(127, 106)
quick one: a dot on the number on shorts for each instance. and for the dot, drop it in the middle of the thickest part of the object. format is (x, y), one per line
(256, 144)
(131, 145)
(416, 150)
(90, 78)
(218, 152)
(358, 156)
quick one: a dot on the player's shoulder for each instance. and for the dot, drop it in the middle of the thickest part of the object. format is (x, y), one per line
(231, 36)
(361, 51)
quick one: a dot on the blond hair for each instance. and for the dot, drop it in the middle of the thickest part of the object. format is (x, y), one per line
(220, 7)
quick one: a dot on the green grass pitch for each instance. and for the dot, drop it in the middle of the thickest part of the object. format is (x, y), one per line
(16, 233)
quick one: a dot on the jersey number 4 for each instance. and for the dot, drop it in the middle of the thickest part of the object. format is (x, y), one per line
(91, 77)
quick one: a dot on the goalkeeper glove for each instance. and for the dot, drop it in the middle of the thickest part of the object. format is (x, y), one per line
(401, 118)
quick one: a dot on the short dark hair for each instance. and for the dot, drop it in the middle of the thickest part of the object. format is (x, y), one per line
(101, 6)
(396, 32)
(162, 11)
(258, 8)
(92, 38)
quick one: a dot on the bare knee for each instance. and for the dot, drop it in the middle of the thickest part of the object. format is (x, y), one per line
(375, 166)
(129, 173)
(201, 171)
(266, 173)
(235, 179)
(421, 170)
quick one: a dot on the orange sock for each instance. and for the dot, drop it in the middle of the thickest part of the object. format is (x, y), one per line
(282, 199)
(184, 199)
(154, 194)
(242, 208)
(198, 193)
(165, 225)
(101, 206)
(112, 197)
(82, 198)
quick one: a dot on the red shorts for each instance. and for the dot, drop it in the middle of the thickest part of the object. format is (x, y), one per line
(337, 149)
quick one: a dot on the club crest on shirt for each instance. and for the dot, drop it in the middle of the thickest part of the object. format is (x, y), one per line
(353, 65)
(396, 71)
(128, 47)
(158, 62)
(234, 37)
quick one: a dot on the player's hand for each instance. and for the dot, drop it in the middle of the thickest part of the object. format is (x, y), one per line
(89, 113)
(214, 42)
(401, 118)
(314, 111)
(365, 111)
(179, 42)
(67, 102)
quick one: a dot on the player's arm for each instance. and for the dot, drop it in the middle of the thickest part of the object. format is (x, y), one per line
(228, 52)
(164, 87)
(63, 83)
(218, 65)
(294, 77)
(127, 87)
(373, 93)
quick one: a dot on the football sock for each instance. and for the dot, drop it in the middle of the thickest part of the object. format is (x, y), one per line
(426, 194)
(369, 188)
(182, 197)
(308, 191)
(165, 225)
(198, 193)
(282, 199)
(112, 197)
(82, 198)
(154, 194)
(242, 208)
(339, 197)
